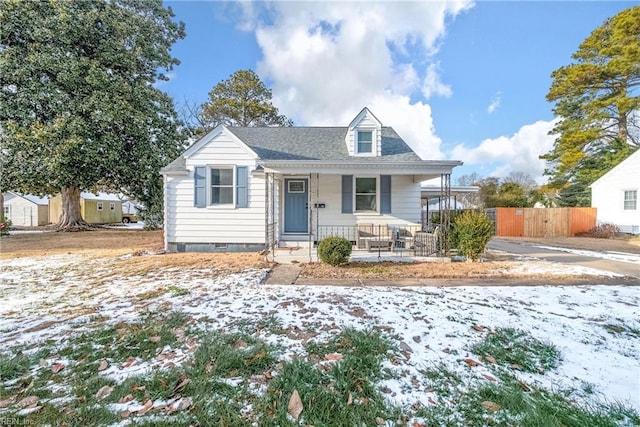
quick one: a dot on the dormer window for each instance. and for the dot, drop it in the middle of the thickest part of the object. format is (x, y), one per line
(365, 142)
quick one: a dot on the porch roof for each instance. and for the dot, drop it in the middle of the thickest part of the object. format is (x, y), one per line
(421, 169)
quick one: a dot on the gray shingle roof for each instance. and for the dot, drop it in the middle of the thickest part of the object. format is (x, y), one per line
(317, 143)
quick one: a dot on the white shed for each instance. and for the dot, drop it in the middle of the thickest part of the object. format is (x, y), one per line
(615, 195)
(26, 210)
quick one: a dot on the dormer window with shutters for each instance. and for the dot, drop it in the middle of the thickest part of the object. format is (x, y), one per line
(364, 137)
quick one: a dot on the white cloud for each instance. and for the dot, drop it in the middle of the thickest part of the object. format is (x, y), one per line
(432, 84)
(495, 103)
(519, 152)
(326, 60)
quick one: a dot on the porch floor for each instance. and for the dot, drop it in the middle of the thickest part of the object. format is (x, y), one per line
(294, 255)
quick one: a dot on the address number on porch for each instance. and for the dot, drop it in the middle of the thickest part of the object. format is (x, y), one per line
(296, 186)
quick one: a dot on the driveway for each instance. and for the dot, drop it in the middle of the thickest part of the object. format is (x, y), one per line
(627, 264)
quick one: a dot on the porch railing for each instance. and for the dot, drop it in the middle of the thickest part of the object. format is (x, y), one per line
(382, 238)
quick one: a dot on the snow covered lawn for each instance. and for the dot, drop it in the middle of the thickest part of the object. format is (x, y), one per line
(83, 342)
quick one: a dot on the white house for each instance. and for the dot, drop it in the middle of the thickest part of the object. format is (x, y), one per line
(26, 210)
(615, 195)
(252, 188)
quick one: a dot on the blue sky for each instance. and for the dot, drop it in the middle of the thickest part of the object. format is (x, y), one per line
(456, 79)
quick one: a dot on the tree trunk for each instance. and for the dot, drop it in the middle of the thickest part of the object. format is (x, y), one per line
(71, 218)
(1, 205)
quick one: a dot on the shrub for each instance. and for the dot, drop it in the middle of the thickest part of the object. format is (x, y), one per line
(602, 231)
(471, 233)
(5, 224)
(334, 250)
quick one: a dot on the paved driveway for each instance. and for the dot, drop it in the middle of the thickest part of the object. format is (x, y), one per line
(594, 258)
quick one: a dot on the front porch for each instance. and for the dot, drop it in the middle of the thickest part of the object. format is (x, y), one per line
(371, 242)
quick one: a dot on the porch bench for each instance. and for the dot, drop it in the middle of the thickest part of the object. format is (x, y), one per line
(374, 243)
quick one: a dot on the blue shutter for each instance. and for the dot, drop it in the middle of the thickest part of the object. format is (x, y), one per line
(199, 186)
(385, 193)
(347, 194)
(242, 187)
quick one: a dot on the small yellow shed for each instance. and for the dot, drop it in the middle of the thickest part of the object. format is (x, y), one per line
(100, 208)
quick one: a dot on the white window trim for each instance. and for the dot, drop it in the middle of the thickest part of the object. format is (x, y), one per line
(368, 212)
(374, 142)
(304, 186)
(624, 199)
(100, 206)
(112, 206)
(208, 187)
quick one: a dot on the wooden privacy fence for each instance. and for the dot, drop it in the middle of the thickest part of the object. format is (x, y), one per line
(542, 222)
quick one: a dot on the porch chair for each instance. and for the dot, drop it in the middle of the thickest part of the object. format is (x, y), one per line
(373, 237)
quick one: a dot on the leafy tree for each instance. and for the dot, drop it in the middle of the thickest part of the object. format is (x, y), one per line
(78, 108)
(596, 99)
(241, 100)
(577, 191)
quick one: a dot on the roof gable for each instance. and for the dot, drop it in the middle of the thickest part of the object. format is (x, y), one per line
(211, 136)
(630, 164)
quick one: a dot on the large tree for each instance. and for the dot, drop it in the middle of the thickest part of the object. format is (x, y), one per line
(597, 99)
(78, 106)
(241, 100)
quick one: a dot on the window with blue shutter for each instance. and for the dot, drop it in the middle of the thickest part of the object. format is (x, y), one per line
(347, 193)
(385, 193)
(242, 187)
(199, 186)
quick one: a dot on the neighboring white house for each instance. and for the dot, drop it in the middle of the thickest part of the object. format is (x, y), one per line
(247, 188)
(615, 195)
(26, 210)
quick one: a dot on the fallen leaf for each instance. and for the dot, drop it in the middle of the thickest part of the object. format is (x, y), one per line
(349, 399)
(516, 366)
(417, 424)
(490, 406)
(471, 362)
(523, 386)
(43, 363)
(27, 402)
(104, 392)
(137, 387)
(184, 404)
(155, 339)
(181, 383)
(7, 402)
(380, 421)
(447, 350)
(405, 347)
(103, 365)
(295, 405)
(125, 414)
(333, 356)
(57, 367)
(258, 355)
(477, 328)
(490, 360)
(489, 377)
(239, 344)
(125, 399)
(146, 407)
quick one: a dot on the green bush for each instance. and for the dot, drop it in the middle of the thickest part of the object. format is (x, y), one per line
(5, 224)
(471, 233)
(334, 250)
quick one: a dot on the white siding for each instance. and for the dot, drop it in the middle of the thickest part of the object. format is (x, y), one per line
(25, 213)
(607, 195)
(188, 224)
(405, 203)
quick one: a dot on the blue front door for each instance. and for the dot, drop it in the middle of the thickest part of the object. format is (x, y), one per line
(295, 206)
